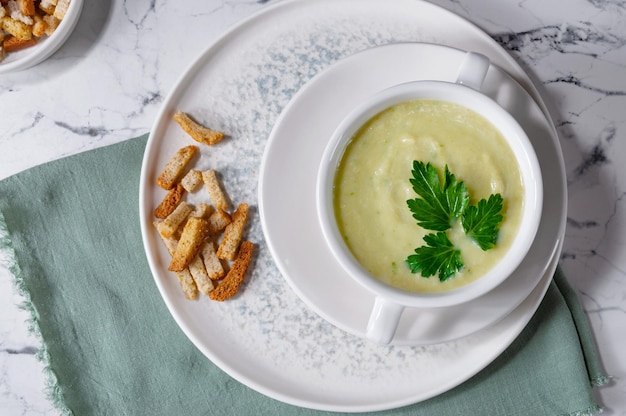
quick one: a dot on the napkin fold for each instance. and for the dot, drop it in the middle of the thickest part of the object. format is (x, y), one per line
(70, 234)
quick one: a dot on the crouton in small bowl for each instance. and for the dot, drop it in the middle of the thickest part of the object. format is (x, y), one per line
(32, 30)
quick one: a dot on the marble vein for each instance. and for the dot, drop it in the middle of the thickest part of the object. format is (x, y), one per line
(137, 15)
(28, 350)
(582, 38)
(573, 80)
(98, 131)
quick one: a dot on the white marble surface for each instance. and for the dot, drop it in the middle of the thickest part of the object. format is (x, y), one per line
(110, 78)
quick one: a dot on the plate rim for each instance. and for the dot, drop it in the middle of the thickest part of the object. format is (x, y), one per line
(189, 73)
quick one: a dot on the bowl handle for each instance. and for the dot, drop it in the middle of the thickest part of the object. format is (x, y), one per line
(383, 320)
(473, 70)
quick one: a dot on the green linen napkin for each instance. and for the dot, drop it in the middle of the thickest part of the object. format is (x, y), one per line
(110, 345)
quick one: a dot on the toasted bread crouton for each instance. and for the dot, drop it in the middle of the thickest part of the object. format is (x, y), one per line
(212, 264)
(51, 24)
(203, 210)
(12, 44)
(215, 190)
(27, 7)
(61, 9)
(47, 6)
(39, 27)
(190, 289)
(169, 242)
(185, 279)
(17, 28)
(218, 221)
(192, 180)
(233, 280)
(170, 224)
(175, 167)
(197, 131)
(194, 232)
(199, 273)
(14, 9)
(48, 10)
(233, 233)
(170, 202)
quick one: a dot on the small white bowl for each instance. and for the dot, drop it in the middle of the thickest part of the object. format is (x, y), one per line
(391, 301)
(29, 57)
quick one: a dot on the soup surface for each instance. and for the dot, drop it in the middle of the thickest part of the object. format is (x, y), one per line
(372, 186)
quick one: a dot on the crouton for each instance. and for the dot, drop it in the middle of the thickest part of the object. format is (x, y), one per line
(199, 273)
(27, 7)
(12, 43)
(185, 279)
(170, 202)
(15, 12)
(192, 180)
(47, 6)
(197, 131)
(39, 27)
(212, 264)
(170, 224)
(51, 24)
(219, 199)
(233, 233)
(218, 221)
(175, 167)
(194, 233)
(203, 210)
(17, 28)
(61, 9)
(233, 280)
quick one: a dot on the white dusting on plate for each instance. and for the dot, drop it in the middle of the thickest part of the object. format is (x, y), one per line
(266, 337)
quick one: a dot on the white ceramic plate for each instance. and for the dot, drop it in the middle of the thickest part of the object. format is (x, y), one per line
(296, 146)
(266, 337)
(26, 58)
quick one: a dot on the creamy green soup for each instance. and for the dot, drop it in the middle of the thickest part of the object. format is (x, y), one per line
(372, 186)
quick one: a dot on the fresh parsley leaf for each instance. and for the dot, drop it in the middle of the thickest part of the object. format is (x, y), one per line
(439, 204)
(482, 222)
(438, 256)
